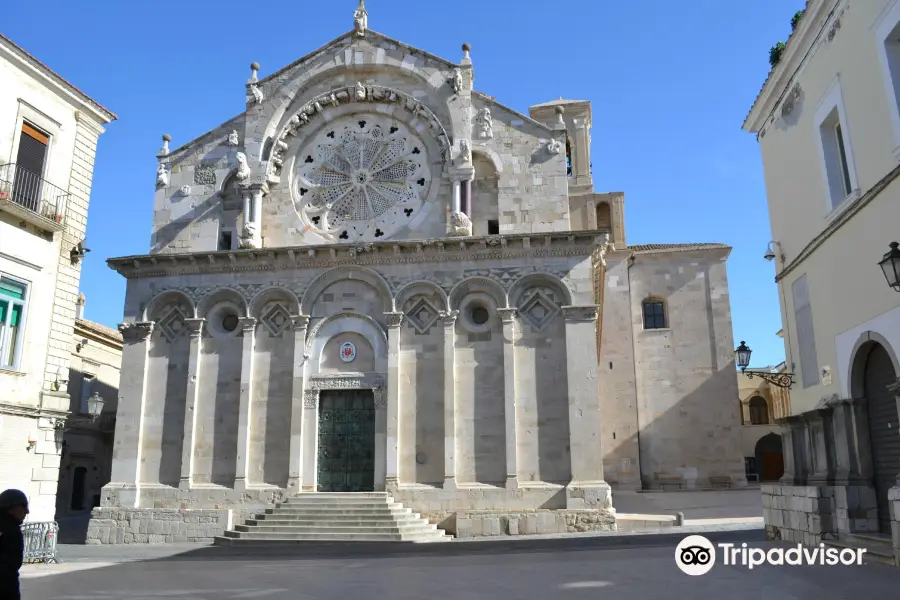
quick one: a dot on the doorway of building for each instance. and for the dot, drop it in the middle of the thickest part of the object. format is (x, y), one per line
(769, 457)
(346, 448)
(883, 424)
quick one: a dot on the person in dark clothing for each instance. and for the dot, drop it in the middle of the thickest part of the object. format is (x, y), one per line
(13, 508)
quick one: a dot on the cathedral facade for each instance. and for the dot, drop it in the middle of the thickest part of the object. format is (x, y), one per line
(376, 278)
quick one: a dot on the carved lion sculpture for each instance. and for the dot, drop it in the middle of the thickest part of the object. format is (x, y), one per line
(460, 224)
(243, 171)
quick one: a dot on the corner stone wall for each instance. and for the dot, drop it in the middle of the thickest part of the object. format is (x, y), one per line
(471, 524)
(156, 525)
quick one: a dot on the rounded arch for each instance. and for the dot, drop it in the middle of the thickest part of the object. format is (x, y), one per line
(523, 283)
(354, 322)
(225, 294)
(163, 299)
(420, 287)
(769, 457)
(603, 215)
(270, 294)
(477, 284)
(490, 155)
(864, 345)
(759, 410)
(320, 283)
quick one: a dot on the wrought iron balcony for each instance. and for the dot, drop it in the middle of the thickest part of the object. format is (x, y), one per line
(32, 197)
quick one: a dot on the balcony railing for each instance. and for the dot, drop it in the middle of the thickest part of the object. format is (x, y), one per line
(29, 191)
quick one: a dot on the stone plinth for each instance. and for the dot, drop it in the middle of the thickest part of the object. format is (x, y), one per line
(156, 526)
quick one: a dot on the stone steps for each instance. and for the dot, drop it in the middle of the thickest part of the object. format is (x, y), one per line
(878, 548)
(335, 517)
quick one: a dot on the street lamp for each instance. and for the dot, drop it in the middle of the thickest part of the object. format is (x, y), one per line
(890, 266)
(742, 355)
(95, 409)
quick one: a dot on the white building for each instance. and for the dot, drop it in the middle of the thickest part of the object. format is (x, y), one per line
(48, 139)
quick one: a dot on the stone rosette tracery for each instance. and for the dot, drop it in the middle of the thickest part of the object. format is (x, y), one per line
(361, 178)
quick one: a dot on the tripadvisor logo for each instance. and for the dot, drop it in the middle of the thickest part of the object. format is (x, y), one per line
(696, 555)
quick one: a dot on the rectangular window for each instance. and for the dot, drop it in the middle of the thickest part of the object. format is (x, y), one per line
(87, 389)
(12, 321)
(806, 336)
(30, 159)
(842, 159)
(654, 315)
(225, 240)
(493, 227)
(833, 136)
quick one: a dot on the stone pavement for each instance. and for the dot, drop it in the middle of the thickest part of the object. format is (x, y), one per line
(697, 506)
(571, 568)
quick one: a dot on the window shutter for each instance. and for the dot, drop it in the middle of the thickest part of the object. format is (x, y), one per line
(15, 315)
(32, 150)
(806, 337)
(12, 289)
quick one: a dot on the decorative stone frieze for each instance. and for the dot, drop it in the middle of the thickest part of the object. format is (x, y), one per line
(585, 313)
(393, 319)
(507, 315)
(311, 398)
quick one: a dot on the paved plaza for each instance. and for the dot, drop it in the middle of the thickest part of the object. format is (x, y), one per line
(622, 568)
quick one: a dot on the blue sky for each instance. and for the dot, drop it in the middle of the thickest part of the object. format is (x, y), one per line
(670, 83)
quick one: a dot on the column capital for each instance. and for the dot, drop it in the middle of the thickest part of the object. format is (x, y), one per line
(507, 314)
(583, 313)
(300, 321)
(248, 324)
(259, 188)
(449, 317)
(394, 319)
(195, 327)
(136, 332)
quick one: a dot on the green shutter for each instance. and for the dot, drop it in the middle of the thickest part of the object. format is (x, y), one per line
(12, 289)
(4, 306)
(16, 315)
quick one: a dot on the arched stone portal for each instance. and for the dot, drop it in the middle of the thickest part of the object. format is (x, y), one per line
(769, 457)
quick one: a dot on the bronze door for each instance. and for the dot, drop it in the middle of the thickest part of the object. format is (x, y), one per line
(346, 448)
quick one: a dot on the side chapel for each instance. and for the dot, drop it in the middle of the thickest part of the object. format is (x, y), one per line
(376, 277)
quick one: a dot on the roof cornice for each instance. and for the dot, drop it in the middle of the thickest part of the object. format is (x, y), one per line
(42, 72)
(796, 51)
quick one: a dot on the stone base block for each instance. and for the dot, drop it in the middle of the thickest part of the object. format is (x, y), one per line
(470, 524)
(156, 525)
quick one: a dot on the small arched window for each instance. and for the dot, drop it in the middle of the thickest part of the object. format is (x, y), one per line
(604, 220)
(759, 411)
(654, 314)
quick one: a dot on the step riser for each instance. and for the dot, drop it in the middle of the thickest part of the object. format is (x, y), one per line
(335, 522)
(328, 530)
(338, 506)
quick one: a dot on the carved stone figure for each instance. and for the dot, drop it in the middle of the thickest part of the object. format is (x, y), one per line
(249, 236)
(361, 19)
(460, 225)
(360, 91)
(162, 176)
(257, 94)
(243, 172)
(465, 152)
(484, 124)
(233, 138)
(554, 146)
(456, 82)
(604, 249)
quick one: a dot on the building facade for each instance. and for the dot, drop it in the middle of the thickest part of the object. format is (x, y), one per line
(373, 241)
(48, 139)
(86, 464)
(828, 126)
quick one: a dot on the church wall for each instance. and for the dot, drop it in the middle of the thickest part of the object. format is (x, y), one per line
(190, 221)
(163, 424)
(485, 195)
(542, 404)
(218, 396)
(270, 410)
(480, 413)
(331, 355)
(349, 296)
(686, 377)
(616, 376)
(422, 381)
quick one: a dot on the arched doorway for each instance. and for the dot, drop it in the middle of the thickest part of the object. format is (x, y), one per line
(759, 411)
(78, 488)
(878, 374)
(769, 457)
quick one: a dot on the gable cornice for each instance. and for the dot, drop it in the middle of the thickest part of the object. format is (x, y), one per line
(799, 47)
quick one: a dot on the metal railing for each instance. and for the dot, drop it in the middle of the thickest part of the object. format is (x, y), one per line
(33, 192)
(40, 541)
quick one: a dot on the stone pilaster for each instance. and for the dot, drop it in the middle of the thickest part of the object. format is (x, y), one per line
(128, 441)
(800, 441)
(787, 449)
(245, 406)
(392, 455)
(584, 397)
(295, 461)
(195, 326)
(818, 427)
(860, 432)
(309, 456)
(449, 321)
(508, 316)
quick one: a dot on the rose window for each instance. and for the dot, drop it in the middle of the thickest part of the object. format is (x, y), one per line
(363, 177)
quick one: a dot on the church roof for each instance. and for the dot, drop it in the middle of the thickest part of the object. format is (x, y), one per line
(559, 102)
(658, 248)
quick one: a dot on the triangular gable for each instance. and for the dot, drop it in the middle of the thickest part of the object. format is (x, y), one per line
(490, 99)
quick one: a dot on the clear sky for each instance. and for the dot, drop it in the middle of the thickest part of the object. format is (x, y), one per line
(670, 83)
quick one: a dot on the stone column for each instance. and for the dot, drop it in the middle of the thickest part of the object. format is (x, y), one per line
(392, 454)
(310, 438)
(817, 431)
(295, 461)
(862, 442)
(787, 450)
(508, 316)
(248, 326)
(466, 205)
(248, 213)
(449, 320)
(800, 441)
(457, 203)
(256, 204)
(129, 436)
(195, 327)
(584, 408)
(840, 432)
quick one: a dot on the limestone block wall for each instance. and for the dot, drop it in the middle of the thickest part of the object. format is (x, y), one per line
(685, 373)
(156, 526)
